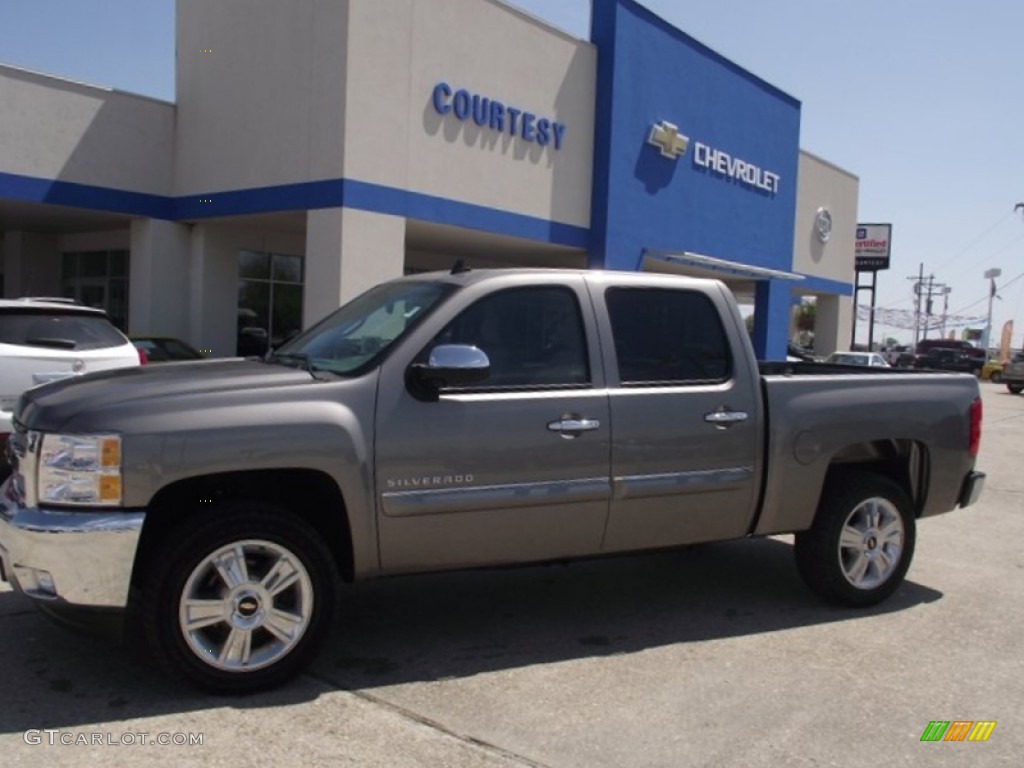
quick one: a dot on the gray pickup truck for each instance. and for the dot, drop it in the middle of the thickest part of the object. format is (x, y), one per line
(454, 420)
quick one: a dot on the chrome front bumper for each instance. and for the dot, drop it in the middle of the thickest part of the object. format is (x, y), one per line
(80, 557)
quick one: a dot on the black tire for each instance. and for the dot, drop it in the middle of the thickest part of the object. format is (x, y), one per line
(289, 574)
(881, 523)
(1015, 389)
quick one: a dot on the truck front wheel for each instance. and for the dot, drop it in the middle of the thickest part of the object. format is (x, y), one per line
(862, 541)
(238, 601)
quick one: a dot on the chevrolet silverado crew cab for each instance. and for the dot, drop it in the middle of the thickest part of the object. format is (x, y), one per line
(453, 420)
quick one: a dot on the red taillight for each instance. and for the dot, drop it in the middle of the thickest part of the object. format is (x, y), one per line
(142, 356)
(975, 440)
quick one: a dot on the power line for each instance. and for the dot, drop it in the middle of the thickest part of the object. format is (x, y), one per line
(1004, 286)
(1019, 208)
(975, 241)
(1000, 250)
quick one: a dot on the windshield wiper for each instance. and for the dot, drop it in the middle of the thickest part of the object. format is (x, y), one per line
(299, 357)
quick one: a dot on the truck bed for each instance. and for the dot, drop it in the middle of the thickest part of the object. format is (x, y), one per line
(819, 415)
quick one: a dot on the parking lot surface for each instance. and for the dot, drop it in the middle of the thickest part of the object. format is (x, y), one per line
(713, 655)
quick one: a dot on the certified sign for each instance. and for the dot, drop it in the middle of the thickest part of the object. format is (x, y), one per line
(873, 247)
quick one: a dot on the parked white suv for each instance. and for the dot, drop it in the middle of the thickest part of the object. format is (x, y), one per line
(43, 340)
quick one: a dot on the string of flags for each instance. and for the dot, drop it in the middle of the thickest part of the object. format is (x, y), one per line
(907, 319)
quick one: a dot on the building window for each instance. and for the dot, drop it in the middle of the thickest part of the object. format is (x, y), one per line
(98, 279)
(269, 300)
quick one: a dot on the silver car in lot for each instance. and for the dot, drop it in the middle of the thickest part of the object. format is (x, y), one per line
(869, 359)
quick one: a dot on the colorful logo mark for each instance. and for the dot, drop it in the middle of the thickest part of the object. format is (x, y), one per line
(958, 730)
(667, 138)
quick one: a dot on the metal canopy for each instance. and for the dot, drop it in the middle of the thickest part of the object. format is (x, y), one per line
(720, 267)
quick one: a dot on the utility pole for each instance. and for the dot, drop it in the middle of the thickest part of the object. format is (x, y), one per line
(925, 290)
(945, 307)
(934, 289)
(991, 276)
(928, 306)
(918, 282)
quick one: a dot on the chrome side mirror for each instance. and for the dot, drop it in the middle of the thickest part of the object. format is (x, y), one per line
(451, 365)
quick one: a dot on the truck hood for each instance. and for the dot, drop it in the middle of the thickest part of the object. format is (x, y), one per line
(50, 406)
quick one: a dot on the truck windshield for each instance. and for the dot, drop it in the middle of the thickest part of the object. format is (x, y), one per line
(361, 331)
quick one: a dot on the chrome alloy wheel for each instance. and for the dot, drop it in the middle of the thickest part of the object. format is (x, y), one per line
(871, 543)
(246, 606)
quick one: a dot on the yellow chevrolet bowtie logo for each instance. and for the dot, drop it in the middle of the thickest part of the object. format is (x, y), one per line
(666, 137)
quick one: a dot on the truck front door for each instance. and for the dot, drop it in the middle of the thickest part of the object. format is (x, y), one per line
(513, 469)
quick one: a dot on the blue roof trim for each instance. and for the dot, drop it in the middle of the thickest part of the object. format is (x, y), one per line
(311, 195)
(30, 189)
(364, 196)
(276, 199)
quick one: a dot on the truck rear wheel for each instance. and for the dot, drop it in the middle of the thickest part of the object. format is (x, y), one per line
(862, 541)
(240, 600)
(1015, 388)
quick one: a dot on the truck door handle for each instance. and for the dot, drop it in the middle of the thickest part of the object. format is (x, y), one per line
(724, 418)
(570, 428)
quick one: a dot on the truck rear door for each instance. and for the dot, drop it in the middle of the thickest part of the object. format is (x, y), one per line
(686, 413)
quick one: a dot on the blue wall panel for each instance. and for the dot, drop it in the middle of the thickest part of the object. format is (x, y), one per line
(650, 72)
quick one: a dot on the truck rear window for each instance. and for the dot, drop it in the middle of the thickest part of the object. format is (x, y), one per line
(58, 330)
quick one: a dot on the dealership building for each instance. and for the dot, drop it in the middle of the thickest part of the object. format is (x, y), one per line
(318, 147)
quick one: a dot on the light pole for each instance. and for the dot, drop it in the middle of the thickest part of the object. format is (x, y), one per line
(946, 290)
(991, 276)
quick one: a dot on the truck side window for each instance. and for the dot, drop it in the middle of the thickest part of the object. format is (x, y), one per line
(533, 337)
(665, 336)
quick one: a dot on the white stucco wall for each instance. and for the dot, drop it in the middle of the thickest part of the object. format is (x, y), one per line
(833, 324)
(348, 252)
(400, 49)
(260, 92)
(52, 128)
(821, 184)
(274, 93)
(158, 278)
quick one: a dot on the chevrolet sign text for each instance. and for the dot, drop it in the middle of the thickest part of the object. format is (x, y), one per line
(726, 165)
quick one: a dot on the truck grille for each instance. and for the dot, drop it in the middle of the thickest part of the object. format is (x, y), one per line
(20, 453)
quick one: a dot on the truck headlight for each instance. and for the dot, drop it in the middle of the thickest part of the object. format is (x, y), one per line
(80, 469)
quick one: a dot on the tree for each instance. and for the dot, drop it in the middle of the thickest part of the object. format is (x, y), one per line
(805, 316)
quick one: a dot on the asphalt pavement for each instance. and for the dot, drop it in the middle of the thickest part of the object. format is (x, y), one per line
(711, 656)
